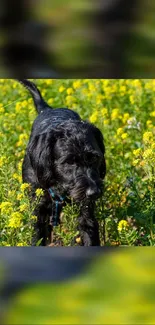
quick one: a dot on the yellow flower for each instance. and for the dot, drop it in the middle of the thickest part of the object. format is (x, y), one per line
(136, 162)
(20, 196)
(24, 103)
(23, 136)
(11, 193)
(49, 81)
(61, 89)
(24, 186)
(149, 154)
(115, 113)
(125, 117)
(69, 91)
(137, 83)
(69, 99)
(39, 192)
(76, 84)
(15, 220)
(93, 117)
(30, 101)
(104, 111)
(148, 137)
(23, 207)
(99, 98)
(50, 101)
(106, 122)
(21, 244)
(137, 152)
(20, 165)
(119, 131)
(149, 124)
(34, 217)
(2, 110)
(152, 114)
(123, 89)
(18, 107)
(153, 146)
(124, 136)
(6, 207)
(123, 224)
(91, 87)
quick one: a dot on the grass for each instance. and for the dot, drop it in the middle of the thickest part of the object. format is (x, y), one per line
(125, 112)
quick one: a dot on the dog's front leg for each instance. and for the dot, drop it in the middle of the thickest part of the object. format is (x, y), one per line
(88, 226)
(41, 227)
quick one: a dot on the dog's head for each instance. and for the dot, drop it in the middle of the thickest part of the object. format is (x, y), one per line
(70, 159)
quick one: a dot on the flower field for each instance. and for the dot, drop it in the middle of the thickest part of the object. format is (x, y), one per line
(125, 112)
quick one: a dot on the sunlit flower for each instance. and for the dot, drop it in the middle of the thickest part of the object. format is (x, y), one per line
(115, 113)
(48, 81)
(24, 186)
(33, 217)
(148, 137)
(61, 89)
(93, 117)
(50, 101)
(104, 111)
(15, 220)
(39, 192)
(137, 152)
(124, 136)
(136, 162)
(23, 207)
(119, 131)
(70, 91)
(76, 84)
(6, 207)
(152, 114)
(123, 224)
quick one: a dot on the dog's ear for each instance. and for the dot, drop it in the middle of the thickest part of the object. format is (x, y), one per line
(100, 141)
(40, 150)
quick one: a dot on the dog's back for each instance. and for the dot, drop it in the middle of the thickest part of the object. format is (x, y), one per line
(48, 117)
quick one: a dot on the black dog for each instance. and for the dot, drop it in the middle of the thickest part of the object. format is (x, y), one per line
(64, 157)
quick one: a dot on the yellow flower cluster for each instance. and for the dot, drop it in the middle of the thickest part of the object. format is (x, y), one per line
(115, 114)
(93, 117)
(77, 84)
(39, 192)
(22, 139)
(17, 177)
(6, 207)
(148, 137)
(15, 220)
(25, 186)
(122, 225)
(61, 89)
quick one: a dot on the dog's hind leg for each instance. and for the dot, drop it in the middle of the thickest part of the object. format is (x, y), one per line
(88, 226)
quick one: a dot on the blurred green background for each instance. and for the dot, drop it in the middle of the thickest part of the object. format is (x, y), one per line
(116, 288)
(111, 39)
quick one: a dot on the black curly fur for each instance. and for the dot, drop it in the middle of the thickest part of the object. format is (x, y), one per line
(66, 154)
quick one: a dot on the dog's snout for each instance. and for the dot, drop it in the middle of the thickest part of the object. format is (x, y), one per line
(93, 193)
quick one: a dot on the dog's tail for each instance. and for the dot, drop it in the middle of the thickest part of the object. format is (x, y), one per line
(39, 102)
